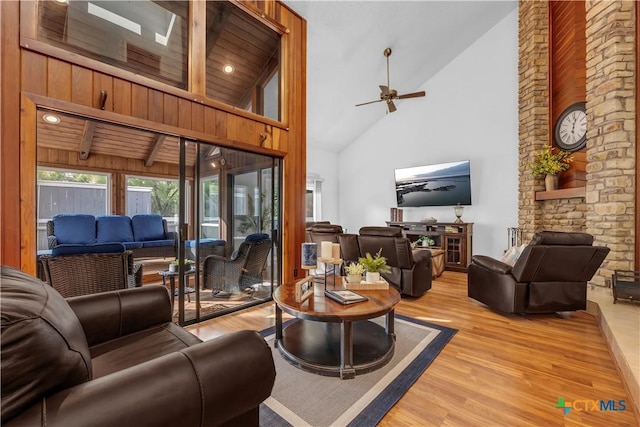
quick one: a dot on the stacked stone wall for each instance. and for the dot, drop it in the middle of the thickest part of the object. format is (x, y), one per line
(611, 151)
(533, 107)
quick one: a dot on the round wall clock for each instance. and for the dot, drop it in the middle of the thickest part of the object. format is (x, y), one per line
(570, 132)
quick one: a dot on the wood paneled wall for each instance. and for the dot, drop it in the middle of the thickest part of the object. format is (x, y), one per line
(36, 75)
(568, 74)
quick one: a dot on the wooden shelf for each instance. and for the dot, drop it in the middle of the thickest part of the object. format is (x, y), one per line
(563, 193)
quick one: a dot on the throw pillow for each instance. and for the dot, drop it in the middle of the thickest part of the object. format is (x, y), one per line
(508, 256)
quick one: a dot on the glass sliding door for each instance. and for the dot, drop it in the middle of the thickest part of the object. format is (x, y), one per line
(232, 237)
(222, 203)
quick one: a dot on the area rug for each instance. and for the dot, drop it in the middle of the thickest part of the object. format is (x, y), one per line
(301, 398)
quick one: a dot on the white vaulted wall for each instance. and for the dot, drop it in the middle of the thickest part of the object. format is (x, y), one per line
(469, 113)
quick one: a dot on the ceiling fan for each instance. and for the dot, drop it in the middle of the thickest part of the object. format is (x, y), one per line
(388, 95)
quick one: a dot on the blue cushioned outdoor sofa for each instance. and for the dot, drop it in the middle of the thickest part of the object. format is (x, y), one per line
(145, 235)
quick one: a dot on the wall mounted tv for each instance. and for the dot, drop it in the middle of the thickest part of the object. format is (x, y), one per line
(444, 184)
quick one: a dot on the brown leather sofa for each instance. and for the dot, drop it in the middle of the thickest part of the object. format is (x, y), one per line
(116, 359)
(410, 269)
(550, 276)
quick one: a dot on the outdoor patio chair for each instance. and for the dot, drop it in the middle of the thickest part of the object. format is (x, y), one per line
(75, 274)
(241, 270)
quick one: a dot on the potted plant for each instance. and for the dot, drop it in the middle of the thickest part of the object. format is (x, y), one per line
(549, 162)
(425, 241)
(174, 265)
(354, 271)
(374, 265)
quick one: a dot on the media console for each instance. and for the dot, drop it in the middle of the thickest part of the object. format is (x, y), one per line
(455, 239)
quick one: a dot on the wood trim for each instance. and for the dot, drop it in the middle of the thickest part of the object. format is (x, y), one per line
(10, 218)
(563, 193)
(28, 238)
(74, 58)
(260, 16)
(28, 19)
(197, 48)
(152, 126)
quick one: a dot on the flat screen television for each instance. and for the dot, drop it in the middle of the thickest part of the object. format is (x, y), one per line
(443, 184)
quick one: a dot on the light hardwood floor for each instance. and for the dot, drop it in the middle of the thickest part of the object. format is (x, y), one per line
(498, 370)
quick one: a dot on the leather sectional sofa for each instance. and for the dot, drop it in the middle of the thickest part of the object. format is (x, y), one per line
(116, 359)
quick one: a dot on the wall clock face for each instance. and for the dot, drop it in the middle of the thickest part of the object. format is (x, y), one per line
(571, 128)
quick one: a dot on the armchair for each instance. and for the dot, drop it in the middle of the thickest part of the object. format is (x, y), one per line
(551, 275)
(73, 272)
(241, 270)
(411, 270)
(318, 233)
(116, 359)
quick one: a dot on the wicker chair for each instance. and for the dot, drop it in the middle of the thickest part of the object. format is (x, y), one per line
(82, 274)
(240, 271)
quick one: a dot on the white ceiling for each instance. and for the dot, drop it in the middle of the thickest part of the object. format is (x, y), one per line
(345, 61)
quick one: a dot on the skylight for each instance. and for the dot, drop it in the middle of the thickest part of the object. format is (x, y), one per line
(114, 18)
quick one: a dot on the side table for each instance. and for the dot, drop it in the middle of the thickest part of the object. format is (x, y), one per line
(437, 260)
(172, 281)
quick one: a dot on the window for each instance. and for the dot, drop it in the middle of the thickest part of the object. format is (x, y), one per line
(143, 36)
(210, 206)
(243, 60)
(313, 198)
(69, 192)
(154, 195)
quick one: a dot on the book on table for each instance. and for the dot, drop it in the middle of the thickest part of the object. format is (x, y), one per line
(345, 296)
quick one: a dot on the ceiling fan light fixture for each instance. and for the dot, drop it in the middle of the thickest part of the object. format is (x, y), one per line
(387, 94)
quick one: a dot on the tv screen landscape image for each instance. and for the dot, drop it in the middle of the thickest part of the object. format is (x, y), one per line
(444, 184)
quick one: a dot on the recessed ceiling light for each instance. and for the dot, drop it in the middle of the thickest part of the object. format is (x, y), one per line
(62, 1)
(51, 118)
(228, 68)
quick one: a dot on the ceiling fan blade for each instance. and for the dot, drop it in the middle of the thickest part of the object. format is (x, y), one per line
(385, 90)
(411, 95)
(370, 102)
(391, 106)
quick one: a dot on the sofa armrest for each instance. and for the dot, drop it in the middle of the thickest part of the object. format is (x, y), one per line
(109, 315)
(172, 235)
(208, 384)
(52, 242)
(421, 255)
(491, 264)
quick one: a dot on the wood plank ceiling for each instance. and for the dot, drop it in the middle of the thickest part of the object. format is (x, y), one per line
(89, 137)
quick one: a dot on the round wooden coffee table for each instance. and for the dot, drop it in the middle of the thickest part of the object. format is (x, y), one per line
(333, 339)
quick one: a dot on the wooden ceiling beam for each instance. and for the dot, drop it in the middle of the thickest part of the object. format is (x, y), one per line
(214, 29)
(87, 139)
(155, 149)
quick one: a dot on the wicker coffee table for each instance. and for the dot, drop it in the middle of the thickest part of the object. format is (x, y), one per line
(333, 339)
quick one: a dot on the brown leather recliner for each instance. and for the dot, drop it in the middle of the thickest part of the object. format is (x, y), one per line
(410, 269)
(318, 233)
(551, 275)
(116, 359)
